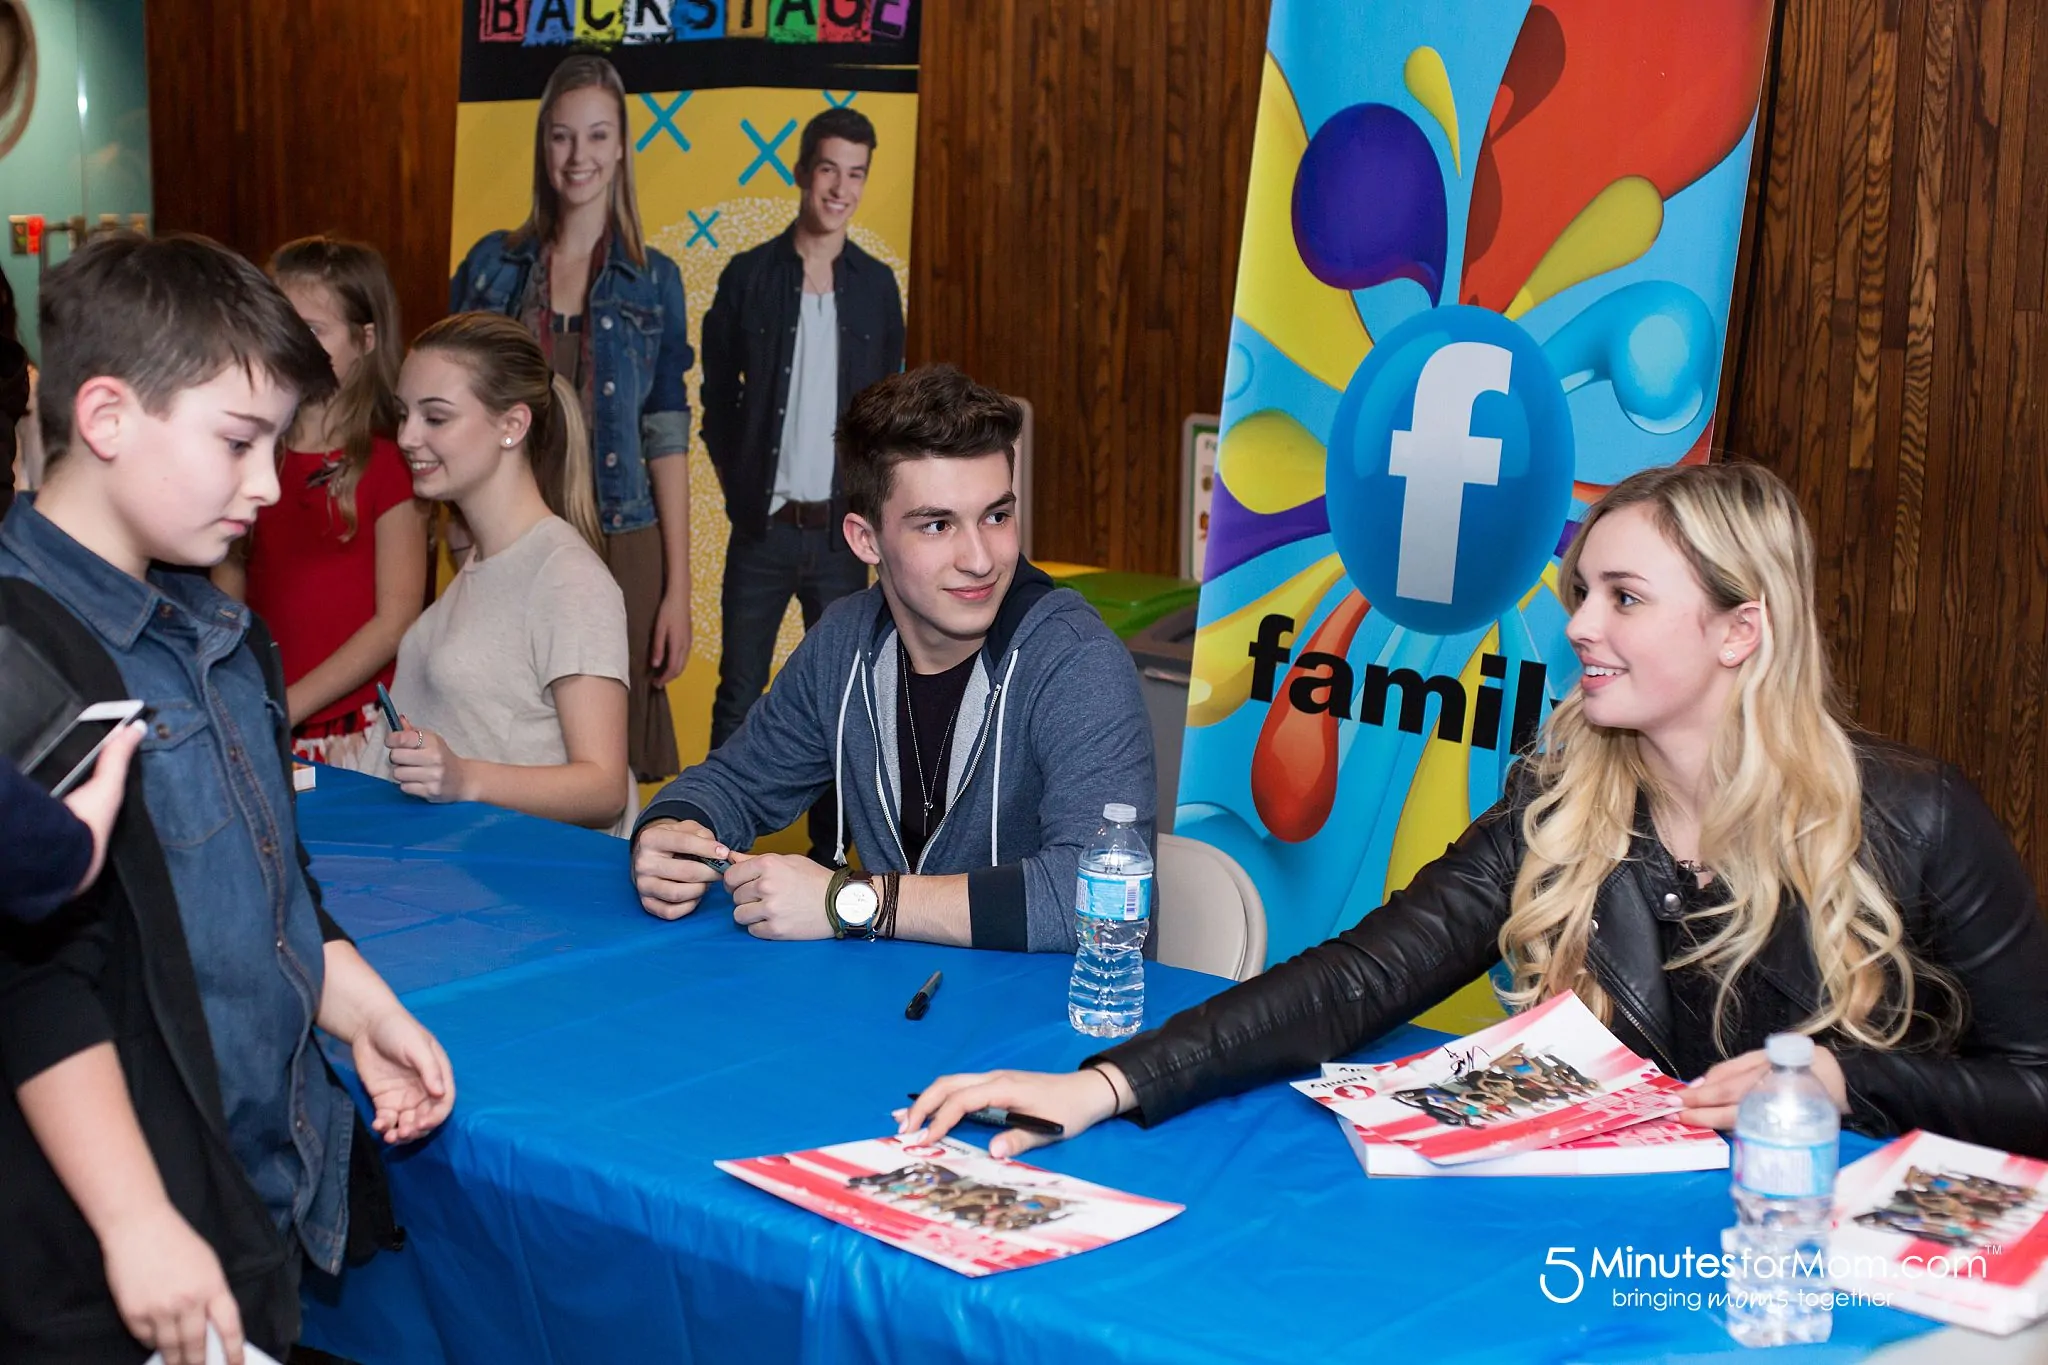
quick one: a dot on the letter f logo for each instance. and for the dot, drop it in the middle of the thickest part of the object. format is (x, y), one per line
(1438, 455)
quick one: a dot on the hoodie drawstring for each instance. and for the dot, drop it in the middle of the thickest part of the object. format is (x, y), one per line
(838, 766)
(995, 807)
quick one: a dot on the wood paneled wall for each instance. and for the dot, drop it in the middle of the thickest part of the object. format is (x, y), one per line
(1081, 187)
(1893, 361)
(1080, 193)
(269, 122)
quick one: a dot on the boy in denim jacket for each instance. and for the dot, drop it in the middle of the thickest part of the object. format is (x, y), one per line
(173, 1140)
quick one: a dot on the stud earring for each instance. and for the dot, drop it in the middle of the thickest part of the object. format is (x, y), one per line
(1727, 656)
(508, 443)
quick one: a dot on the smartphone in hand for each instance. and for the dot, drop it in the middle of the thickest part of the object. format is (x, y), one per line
(390, 709)
(99, 720)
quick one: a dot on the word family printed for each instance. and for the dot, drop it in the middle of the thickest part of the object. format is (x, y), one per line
(1320, 684)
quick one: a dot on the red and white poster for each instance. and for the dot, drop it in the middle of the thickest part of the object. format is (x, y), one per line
(953, 1204)
(1662, 1144)
(1946, 1229)
(1551, 1075)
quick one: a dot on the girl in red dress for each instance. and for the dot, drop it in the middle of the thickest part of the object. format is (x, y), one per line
(338, 567)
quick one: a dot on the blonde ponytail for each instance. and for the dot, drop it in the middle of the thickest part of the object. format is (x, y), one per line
(561, 463)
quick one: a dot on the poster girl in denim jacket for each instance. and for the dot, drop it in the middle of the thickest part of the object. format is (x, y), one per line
(608, 312)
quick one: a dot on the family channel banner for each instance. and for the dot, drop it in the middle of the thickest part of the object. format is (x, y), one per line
(718, 92)
(1487, 258)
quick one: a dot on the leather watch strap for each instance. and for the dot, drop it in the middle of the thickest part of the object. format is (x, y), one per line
(832, 890)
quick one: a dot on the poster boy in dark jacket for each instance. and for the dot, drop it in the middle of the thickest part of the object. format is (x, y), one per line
(172, 1138)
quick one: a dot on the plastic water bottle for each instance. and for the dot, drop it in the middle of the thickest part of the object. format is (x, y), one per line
(1787, 1143)
(1112, 910)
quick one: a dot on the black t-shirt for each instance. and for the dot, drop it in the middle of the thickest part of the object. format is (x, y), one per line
(927, 707)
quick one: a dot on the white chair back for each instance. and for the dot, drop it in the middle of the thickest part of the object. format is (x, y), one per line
(1211, 917)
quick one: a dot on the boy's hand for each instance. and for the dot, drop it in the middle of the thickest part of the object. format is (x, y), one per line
(779, 895)
(666, 872)
(425, 766)
(97, 800)
(406, 1075)
(168, 1285)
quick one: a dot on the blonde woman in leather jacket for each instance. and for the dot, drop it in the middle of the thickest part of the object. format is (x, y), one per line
(1696, 845)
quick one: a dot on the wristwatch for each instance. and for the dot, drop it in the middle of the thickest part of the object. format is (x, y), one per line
(852, 904)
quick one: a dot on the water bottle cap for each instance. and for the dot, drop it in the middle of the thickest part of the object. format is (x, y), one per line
(1120, 813)
(1789, 1049)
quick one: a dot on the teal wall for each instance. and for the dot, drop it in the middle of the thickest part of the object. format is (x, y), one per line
(86, 149)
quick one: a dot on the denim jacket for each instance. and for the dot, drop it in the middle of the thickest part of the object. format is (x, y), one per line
(222, 810)
(640, 352)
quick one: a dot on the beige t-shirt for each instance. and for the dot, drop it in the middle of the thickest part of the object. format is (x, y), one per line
(479, 666)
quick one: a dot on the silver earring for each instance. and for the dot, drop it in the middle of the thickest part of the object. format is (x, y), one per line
(508, 443)
(1727, 656)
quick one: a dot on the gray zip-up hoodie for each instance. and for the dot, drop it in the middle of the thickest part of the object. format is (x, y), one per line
(1052, 728)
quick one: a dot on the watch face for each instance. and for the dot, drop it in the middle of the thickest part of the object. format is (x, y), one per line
(857, 904)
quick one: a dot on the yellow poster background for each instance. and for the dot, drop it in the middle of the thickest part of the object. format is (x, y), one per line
(699, 206)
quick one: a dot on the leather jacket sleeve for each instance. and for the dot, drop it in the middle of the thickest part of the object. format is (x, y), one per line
(1973, 914)
(1422, 945)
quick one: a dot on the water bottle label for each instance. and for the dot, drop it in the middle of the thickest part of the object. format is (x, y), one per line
(1100, 895)
(1780, 1171)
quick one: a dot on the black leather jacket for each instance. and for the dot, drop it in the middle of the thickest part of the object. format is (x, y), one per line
(1968, 906)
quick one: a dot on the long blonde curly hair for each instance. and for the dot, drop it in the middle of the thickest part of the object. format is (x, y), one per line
(1785, 828)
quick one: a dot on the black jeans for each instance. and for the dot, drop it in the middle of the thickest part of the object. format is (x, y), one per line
(817, 569)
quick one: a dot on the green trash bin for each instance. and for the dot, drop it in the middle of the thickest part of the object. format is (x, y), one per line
(1129, 602)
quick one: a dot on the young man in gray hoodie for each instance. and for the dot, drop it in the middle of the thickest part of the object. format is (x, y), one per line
(975, 717)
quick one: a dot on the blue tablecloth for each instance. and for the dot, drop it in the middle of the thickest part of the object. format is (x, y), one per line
(569, 1210)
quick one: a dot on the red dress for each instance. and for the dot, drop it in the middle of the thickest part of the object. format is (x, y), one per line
(314, 589)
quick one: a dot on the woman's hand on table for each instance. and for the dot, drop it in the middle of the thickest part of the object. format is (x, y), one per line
(1076, 1100)
(1711, 1101)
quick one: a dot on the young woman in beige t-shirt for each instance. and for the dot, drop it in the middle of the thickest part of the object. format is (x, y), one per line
(512, 686)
